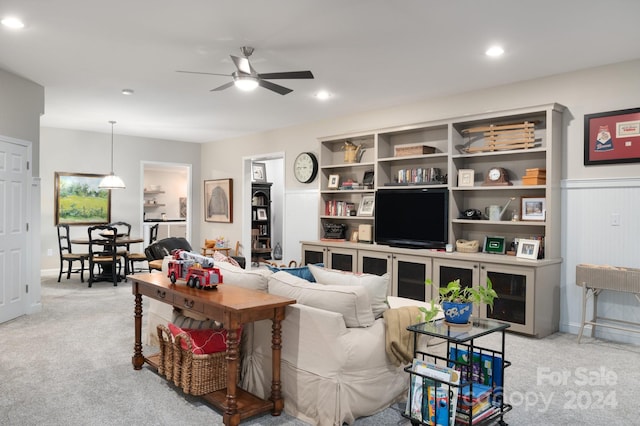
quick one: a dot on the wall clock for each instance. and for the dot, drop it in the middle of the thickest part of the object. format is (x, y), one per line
(497, 176)
(305, 167)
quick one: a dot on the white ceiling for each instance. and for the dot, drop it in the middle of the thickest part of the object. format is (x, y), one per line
(369, 53)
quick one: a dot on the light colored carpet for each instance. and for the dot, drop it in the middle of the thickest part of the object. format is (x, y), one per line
(71, 365)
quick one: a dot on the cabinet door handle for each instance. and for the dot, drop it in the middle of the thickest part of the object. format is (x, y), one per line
(188, 303)
(161, 294)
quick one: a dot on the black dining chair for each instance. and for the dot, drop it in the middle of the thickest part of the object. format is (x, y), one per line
(103, 254)
(142, 257)
(67, 256)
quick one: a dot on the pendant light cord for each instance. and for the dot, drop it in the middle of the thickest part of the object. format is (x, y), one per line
(112, 123)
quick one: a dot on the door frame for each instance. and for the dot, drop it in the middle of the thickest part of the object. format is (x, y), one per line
(246, 198)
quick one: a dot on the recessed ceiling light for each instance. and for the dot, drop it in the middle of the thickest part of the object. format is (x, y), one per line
(323, 95)
(12, 22)
(494, 51)
(127, 92)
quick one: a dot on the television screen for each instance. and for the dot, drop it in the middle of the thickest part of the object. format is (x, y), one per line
(413, 218)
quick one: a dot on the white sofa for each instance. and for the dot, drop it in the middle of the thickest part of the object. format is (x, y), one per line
(334, 364)
(331, 373)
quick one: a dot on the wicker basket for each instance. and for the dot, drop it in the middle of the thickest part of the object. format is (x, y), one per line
(198, 374)
(165, 364)
(467, 246)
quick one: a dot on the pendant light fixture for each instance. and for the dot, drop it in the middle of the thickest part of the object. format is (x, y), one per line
(111, 181)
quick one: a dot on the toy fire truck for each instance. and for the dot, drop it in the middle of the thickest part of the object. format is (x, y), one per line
(195, 269)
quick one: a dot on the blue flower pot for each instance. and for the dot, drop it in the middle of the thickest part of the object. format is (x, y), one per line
(457, 313)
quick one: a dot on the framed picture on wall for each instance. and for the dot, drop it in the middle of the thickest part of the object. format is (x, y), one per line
(218, 200)
(612, 137)
(259, 172)
(79, 201)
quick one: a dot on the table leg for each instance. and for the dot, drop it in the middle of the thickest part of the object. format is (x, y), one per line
(595, 311)
(138, 358)
(276, 353)
(231, 416)
(584, 310)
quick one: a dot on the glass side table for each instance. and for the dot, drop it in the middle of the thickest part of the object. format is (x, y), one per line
(474, 395)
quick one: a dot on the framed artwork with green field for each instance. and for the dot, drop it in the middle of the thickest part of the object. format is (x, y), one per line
(79, 201)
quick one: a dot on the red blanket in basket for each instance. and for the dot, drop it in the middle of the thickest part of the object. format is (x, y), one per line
(204, 340)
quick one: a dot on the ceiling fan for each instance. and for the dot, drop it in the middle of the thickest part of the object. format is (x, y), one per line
(247, 78)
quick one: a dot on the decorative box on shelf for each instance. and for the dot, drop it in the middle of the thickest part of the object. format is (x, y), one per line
(403, 151)
(535, 176)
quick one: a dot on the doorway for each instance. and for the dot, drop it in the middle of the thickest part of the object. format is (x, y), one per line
(165, 199)
(275, 174)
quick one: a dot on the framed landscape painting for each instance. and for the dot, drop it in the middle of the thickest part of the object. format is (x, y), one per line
(79, 201)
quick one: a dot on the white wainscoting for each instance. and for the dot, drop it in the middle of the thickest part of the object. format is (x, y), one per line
(589, 237)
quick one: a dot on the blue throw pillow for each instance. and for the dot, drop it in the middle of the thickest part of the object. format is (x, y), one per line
(302, 271)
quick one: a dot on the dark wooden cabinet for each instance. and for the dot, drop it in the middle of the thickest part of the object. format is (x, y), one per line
(261, 221)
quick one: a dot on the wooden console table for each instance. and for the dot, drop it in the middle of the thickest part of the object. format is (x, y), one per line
(233, 306)
(597, 278)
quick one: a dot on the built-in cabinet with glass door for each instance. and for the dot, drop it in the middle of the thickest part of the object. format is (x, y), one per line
(521, 143)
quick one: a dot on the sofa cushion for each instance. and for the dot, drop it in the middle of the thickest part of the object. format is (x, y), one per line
(377, 286)
(255, 279)
(352, 302)
(301, 271)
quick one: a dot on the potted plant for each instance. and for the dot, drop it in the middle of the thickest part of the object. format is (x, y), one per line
(457, 301)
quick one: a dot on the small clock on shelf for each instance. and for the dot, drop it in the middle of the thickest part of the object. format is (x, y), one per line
(497, 176)
(305, 167)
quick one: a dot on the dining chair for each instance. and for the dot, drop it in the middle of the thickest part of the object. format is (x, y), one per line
(103, 253)
(133, 257)
(67, 257)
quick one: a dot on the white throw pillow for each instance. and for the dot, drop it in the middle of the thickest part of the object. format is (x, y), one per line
(352, 302)
(255, 279)
(376, 285)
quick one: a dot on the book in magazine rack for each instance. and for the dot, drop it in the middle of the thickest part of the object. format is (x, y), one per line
(463, 387)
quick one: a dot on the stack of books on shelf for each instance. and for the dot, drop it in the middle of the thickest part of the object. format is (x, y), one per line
(476, 404)
(418, 175)
(339, 208)
(350, 184)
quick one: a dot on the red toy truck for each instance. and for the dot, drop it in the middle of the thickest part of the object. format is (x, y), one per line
(195, 269)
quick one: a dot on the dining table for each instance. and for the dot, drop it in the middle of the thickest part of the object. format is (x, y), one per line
(121, 241)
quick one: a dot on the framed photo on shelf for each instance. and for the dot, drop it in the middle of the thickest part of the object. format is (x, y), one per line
(262, 214)
(494, 245)
(528, 249)
(366, 205)
(466, 177)
(612, 137)
(218, 200)
(259, 172)
(533, 208)
(367, 179)
(334, 181)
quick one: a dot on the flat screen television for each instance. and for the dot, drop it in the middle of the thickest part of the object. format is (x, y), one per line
(412, 217)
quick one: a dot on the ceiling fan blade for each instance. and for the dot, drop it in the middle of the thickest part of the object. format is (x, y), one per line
(287, 75)
(207, 73)
(243, 65)
(274, 87)
(224, 86)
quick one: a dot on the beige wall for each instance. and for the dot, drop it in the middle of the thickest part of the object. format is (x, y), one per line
(89, 152)
(582, 92)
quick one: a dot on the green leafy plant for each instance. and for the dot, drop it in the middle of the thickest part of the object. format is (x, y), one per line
(454, 292)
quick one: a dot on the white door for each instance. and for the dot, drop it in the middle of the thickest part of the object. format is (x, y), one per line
(13, 232)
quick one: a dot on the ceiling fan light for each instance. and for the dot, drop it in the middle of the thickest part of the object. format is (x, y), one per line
(246, 83)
